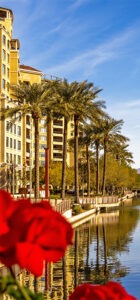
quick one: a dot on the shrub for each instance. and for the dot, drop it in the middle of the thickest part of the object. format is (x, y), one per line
(77, 209)
(88, 206)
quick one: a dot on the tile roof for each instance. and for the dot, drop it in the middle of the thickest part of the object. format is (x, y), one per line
(29, 68)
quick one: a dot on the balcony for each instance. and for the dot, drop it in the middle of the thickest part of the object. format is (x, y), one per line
(57, 155)
(58, 123)
(58, 130)
(28, 136)
(57, 139)
(58, 147)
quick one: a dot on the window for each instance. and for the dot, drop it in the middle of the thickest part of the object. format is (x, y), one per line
(14, 144)
(10, 157)
(8, 44)
(2, 14)
(11, 127)
(43, 138)
(8, 72)
(3, 54)
(8, 58)
(7, 125)
(26, 82)
(3, 69)
(14, 128)
(27, 147)
(19, 130)
(43, 122)
(11, 142)
(28, 120)
(8, 86)
(14, 158)
(19, 116)
(3, 84)
(7, 141)
(19, 145)
(28, 133)
(4, 40)
(43, 129)
(19, 159)
(7, 157)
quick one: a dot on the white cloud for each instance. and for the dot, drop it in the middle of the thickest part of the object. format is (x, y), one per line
(77, 3)
(134, 103)
(88, 59)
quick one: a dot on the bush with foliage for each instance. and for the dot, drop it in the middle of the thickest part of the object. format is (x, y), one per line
(77, 209)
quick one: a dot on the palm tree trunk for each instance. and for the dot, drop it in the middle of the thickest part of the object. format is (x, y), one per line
(97, 168)
(104, 170)
(36, 123)
(88, 171)
(76, 123)
(64, 159)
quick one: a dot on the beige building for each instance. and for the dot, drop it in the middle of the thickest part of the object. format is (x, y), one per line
(17, 141)
(10, 136)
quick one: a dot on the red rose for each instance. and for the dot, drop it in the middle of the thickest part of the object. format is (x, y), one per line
(110, 291)
(36, 233)
(6, 209)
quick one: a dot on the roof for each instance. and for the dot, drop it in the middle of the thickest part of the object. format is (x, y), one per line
(28, 68)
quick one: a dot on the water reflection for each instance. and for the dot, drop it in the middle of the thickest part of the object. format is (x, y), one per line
(95, 256)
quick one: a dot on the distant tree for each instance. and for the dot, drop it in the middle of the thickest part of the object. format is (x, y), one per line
(55, 174)
(69, 176)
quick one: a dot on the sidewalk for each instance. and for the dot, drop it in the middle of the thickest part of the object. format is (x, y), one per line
(80, 218)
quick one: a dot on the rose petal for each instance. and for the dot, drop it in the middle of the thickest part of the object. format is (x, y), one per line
(30, 257)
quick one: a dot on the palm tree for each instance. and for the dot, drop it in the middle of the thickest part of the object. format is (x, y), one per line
(97, 145)
(85, 107)
(111, 130)
(64, 93)
(86, 140)
(96, 142)
(33, 99)
(122, 154)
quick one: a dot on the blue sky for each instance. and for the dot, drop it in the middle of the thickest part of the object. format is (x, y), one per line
(94, 40)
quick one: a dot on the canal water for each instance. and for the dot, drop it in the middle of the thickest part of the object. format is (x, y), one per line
(107, 247)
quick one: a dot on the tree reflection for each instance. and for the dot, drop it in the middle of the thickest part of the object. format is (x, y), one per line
(94, 256)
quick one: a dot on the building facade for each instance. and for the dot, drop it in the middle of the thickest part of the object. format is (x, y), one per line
(10, 135)
(17, 140)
